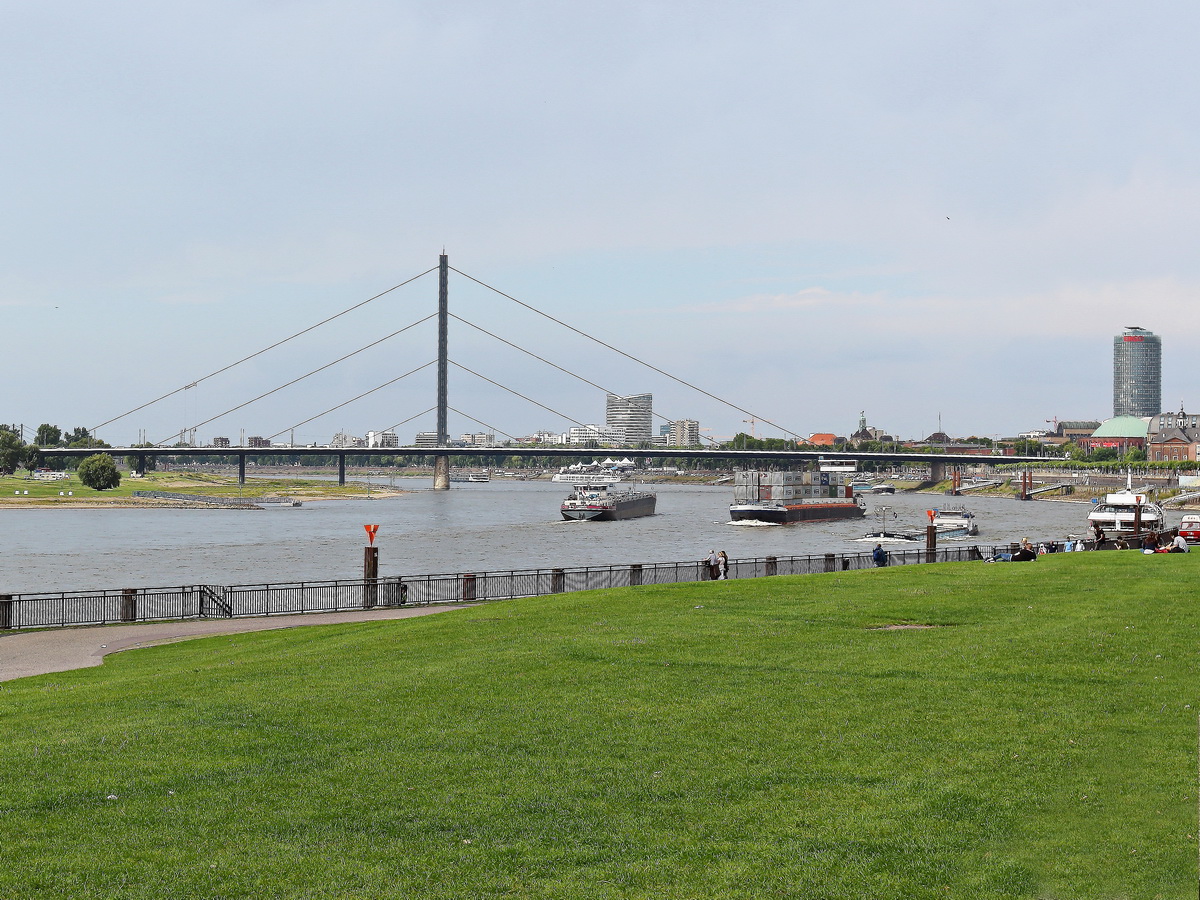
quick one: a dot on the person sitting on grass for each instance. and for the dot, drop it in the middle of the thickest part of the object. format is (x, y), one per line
(1026, 553)
(1179, 545)
(879, 556)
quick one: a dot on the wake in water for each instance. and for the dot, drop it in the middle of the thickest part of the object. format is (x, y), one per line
(754, 523)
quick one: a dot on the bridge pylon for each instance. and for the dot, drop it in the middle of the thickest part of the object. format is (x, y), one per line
(441, 462)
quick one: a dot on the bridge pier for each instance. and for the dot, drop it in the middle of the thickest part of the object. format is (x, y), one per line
(140, 465)
(241, 468)
(937, 471)
(441, 473)
(342, 469)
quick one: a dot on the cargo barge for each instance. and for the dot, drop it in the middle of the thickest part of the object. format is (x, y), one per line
(600, 504)
(782, 498)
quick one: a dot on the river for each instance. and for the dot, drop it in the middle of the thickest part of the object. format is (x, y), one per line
(504, 524)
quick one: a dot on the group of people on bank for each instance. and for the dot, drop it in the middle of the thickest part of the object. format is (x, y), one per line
(718, 565)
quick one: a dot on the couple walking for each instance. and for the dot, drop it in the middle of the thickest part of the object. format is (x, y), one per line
(718, 565)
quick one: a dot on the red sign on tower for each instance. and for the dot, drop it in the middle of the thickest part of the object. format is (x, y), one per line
(371, 530)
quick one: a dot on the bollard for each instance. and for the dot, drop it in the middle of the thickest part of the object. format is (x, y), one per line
(370, 577)
(829, 566)
(772, 565)
(468, 587)
(129, 604)
(635, 574)
(846, 564)
(558, 581)
(6, 605)
(930, 543)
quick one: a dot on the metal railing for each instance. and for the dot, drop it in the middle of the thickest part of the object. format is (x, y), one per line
(41, 610)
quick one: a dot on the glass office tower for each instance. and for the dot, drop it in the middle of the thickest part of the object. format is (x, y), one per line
(1137, 373)
(630, 417)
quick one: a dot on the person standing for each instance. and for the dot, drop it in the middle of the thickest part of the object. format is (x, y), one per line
(879, 555)
(713, 561)
(722, 566)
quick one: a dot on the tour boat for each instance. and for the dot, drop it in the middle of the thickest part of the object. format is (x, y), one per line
(1126, 512)
(954, 521)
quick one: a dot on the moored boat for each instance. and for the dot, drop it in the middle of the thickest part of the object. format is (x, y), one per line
(601, 504)
(1126, 512)
(954, 521)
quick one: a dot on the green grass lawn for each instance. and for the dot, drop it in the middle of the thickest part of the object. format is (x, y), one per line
(759, 738)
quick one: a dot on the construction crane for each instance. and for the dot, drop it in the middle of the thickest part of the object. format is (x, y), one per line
(751, 423)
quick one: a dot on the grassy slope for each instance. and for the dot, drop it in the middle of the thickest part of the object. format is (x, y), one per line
(735, 739)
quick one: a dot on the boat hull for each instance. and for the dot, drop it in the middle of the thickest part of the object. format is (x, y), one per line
(611, 509)
(787, 514)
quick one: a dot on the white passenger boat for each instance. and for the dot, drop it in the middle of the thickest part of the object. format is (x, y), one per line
(954, 521)
(587, 480)
(1126, 512)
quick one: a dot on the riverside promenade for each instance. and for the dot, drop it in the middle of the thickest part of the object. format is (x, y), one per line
(23, 654)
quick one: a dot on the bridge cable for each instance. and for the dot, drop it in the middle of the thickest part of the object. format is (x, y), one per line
(352, 399)
(556, 366)
(517, 393)
(627, 356)
(301, 378)
(485, 425)
(262, 351)
(409, 419)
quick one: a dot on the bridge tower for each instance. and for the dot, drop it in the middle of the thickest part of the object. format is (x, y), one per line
(441, 462)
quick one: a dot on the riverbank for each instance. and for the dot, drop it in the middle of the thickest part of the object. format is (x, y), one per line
(23, 492)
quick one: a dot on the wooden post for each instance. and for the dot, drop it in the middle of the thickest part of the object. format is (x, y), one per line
(772, 565)
(829, 564)
(6, 605)
(129, 605)
(469, 589)
(370, 576)
(635, 574)
(558, 581)
(930, 543)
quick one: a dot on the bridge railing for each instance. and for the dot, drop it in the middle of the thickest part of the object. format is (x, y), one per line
(103, 607)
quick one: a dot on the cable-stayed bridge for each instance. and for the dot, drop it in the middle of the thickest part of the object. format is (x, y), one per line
(177, 445)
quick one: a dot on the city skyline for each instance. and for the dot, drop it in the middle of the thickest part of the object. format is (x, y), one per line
(979, 190)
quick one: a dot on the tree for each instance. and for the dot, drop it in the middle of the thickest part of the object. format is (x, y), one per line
(48, 435)
(99, 472)
(31, 456)
(11, 450)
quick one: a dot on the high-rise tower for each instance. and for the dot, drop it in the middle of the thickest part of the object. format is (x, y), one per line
(630, 417)
(1137, 373)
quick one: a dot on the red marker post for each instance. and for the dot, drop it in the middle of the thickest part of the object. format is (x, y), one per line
(370, 568)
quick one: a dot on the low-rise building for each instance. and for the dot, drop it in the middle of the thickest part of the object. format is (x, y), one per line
(1172, 437)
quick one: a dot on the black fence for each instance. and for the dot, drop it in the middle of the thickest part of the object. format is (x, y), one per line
(40, 610)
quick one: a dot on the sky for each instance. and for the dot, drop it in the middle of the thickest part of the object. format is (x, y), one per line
(930, 212)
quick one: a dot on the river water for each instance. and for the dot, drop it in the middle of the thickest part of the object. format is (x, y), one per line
(504, 524)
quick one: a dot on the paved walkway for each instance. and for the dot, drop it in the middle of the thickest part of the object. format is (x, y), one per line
(25, 653)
